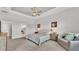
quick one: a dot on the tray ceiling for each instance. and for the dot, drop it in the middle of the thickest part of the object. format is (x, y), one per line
(28, 10)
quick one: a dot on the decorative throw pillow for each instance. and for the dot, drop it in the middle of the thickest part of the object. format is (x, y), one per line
(70, 36)
(76, 38)
(64, 35)
(77, 34)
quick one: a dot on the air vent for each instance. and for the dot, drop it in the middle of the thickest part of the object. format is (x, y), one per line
(4, 11)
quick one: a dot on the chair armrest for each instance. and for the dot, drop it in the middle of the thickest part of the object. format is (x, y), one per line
(74, 45)
(64, 43)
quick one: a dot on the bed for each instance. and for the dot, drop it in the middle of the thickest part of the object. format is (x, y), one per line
(40, 37)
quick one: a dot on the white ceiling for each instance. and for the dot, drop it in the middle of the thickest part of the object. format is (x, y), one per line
(15, 16)
(28, 10)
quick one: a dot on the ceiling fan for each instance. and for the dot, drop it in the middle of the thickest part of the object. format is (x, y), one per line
(35, 11)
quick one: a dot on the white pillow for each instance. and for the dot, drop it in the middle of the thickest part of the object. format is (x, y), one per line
(77, 34)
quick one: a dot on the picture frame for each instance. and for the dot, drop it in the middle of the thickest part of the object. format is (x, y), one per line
(38, 25)
(54, 24)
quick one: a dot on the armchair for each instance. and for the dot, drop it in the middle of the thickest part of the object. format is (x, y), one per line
(69, 45)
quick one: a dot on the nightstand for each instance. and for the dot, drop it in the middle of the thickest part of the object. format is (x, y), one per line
(54, 36)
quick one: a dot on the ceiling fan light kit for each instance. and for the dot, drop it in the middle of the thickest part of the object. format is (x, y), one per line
(35, 12)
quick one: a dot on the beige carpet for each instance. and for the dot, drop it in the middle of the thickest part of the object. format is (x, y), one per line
(26, 45)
